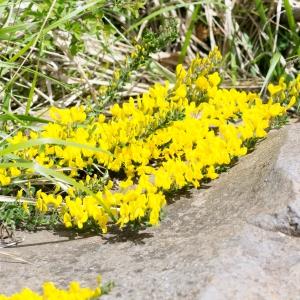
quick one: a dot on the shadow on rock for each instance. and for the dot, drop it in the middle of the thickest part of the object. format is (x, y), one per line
(134, 235)
(174, 196)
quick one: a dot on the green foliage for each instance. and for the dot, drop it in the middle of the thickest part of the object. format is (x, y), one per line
(107, 287)
(279, 121)
(293, 27)
(188, 35)
(13, 215)
(61, 28)
(133, 6)
(151, 42)
(65, 52)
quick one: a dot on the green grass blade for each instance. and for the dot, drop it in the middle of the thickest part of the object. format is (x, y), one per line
(31, 92)
(42, 141)
(290, 15)
(12, 117)
(292, 25)
(273, 63)
(188, 35)
(72, 15)
(6, 99)
(7, 33)
(19, 118)
(234, 66)
(22, 51)
(161, 11)
(10, 65)
(57, 176)
(25, 165)
(261, 11)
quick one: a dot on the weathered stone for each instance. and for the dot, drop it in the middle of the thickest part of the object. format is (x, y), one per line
(234, 239)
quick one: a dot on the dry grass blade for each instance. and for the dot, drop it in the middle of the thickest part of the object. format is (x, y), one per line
(234, 25)
(209, 12)
(14, 257)
(228, 24)
(278, 15)
(8, 199)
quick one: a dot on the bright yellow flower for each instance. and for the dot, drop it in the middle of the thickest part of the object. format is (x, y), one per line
(180, 92)
(214, 79)
(168, 138)
(274, 89)
(202, 83)
(19, 194)
(14, 171)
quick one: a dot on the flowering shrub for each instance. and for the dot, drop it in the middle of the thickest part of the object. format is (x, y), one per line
(169, 138)
(51, 292)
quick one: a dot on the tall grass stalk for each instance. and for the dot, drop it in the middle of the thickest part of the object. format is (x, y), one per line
(188, 35)
(293, 27)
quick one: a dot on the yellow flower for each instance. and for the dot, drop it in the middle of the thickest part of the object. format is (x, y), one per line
(211, 173)
(18, 138)
(162, 179)
(214, 79)
(25, 207)
(180, 92)
(4, 180)
(291, 103)
(67, 220)
(276, 109)
(14, 171)
(202, 83)
(274, 89)
(180, 72)
(19, 194)
(51, 292)
(167, 138)
(126, 184)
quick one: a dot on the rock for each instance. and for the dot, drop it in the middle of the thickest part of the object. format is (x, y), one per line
(295, 6)
(234, 239)
(296, 9)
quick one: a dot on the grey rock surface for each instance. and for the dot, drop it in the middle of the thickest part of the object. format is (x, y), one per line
(234, 239)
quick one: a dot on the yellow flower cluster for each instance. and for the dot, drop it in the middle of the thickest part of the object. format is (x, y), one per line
(285, 91)
(51, 292)
(7, 174)
(169, 138)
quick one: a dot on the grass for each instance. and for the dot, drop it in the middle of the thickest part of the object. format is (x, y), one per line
(40, 66)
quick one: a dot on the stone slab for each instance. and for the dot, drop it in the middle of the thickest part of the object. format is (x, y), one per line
(234, 239)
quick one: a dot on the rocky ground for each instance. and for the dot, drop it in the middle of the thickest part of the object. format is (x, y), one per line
(234, 239)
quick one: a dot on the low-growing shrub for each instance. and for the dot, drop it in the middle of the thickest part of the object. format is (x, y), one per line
(117, 167)
(51, 292)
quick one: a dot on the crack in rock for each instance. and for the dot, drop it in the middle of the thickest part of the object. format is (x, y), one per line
(286, 221)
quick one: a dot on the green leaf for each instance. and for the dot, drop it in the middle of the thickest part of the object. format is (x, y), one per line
(32, 88)
(7, 33)
(57, 176)
(292, 25)
(19, 118)
(163, 10)
(273, 63)
(261, 11)
(188, 34)
(42, 141)
(73, 14)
